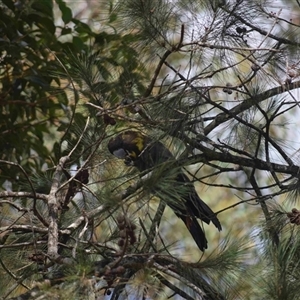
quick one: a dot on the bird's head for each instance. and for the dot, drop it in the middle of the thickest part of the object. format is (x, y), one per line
(127, 145)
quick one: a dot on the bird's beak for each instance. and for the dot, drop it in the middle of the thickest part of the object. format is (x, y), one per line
(120, 153)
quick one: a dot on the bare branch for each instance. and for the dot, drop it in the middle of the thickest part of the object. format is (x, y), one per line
(7, 194)
(53, 206)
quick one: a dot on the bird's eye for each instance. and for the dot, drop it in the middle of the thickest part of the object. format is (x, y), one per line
(120, 153)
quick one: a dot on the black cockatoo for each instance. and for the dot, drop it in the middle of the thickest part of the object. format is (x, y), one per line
(145, 153)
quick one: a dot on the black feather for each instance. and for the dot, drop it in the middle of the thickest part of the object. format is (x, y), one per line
(195, 230)
(146, 153)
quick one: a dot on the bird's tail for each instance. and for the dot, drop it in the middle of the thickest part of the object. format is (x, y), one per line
(196, 231)
(195, 206)
(205, 213)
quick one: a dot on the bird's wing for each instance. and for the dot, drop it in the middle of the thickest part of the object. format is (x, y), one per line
(194, 204)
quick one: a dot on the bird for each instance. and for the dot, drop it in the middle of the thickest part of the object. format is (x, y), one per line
(145, 153)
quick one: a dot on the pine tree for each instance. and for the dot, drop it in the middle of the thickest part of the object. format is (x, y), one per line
(216, 82)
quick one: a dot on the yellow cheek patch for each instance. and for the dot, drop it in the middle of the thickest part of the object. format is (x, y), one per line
(139, 142)
(133, 143)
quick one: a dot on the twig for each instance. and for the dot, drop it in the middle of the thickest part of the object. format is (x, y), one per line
(36, 212)
(261, 31)
(22, 245)
(75, 94)
(154, 225)
(80, 235)
(173, 287)
(81, 136)
(167, 271)
(264, 208)
(156, 73)
(11, 194)
(222, 47)
(18, 280)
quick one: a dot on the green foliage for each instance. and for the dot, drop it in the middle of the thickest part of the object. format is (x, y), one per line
(215, 82)
(27, 110)
(34, 105)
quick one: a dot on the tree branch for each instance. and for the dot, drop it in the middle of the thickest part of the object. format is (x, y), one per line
(248, 103)
(53, 206)
(7, 194)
